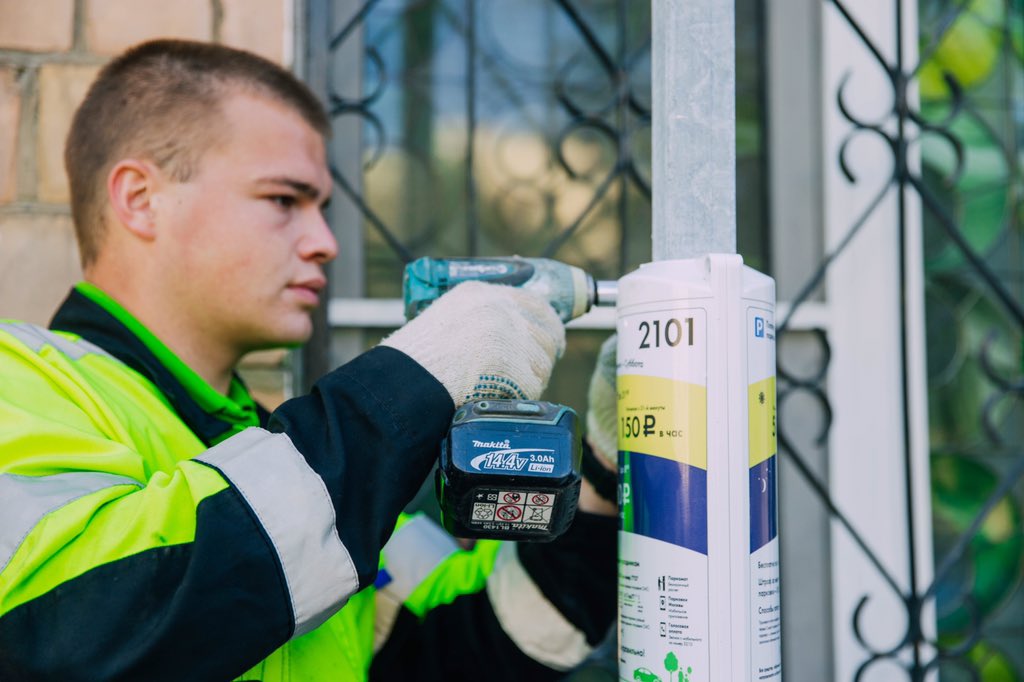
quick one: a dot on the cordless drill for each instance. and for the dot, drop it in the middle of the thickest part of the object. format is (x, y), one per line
(509, 469)
(570, 290)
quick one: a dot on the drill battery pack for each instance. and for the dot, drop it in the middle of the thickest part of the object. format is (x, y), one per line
(510, 469)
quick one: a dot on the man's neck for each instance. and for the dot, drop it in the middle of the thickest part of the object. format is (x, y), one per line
(206, 359)
(98, 318)
(200, 350)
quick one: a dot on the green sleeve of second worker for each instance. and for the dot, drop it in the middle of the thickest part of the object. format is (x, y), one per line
(446, 571)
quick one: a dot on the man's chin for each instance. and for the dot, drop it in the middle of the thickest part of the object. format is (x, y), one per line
(296, 340)
(287, 338)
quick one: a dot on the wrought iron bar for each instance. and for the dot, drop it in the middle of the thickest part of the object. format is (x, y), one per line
(868, 43)
(820, 490)
(552, 248)
(815, 280)
(374, 219)
(622, 151)
(927, 51)
(359, 18)
(472, 225)
(589, 38)
(932, 204)
(959, 548)
(914, 602)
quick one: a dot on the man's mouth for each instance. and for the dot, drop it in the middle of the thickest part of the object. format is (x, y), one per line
(308, 291)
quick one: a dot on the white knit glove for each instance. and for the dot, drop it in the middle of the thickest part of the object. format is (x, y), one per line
(485, 341)
(602, 415)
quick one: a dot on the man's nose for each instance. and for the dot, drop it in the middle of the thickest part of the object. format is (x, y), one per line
(318, 244)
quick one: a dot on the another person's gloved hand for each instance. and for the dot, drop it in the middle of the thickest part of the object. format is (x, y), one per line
(602, 418)
(600, 470)
(485, 341)
(601, 665)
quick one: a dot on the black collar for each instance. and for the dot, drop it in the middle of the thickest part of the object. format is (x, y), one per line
(80, 315)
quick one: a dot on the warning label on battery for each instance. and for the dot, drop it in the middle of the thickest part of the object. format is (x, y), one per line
(495, 509)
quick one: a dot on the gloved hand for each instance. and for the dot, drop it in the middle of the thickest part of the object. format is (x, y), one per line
(485, 341)
(597, 495)
(602, 418)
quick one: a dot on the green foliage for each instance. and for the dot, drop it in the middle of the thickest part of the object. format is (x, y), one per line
(968, 51)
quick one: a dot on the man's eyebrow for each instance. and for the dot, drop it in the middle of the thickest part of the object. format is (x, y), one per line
(303, 188)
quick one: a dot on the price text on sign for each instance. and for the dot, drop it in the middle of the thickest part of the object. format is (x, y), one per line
(663, 417)
(670, 332)
(634, 426)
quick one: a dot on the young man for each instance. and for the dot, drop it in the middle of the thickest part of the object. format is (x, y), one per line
(157, 524)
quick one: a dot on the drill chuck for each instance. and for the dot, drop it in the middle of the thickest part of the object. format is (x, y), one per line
(606, 292)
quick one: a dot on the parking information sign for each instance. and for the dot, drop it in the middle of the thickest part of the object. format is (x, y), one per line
(663, 564)
(698, 552)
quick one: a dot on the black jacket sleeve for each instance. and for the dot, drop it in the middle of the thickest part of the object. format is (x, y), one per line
(371, 429)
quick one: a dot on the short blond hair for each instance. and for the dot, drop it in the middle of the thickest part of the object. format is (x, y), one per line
(161, 101)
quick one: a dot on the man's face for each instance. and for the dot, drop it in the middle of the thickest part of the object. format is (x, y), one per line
(244, 237)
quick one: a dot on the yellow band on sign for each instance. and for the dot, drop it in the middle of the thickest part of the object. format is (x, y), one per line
(664, 418)
(761, 419)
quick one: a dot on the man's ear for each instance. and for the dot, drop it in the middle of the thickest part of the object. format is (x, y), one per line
(131, 187)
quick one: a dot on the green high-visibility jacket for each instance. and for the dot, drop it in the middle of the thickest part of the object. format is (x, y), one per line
(152, 528)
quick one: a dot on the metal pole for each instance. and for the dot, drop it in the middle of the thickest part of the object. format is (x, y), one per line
(698, 545)
(693, 127)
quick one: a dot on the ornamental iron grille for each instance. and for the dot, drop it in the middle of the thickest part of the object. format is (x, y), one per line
(469, 127)
(959, 153)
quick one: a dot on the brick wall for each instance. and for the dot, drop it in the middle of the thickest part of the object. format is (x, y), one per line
(50, 50)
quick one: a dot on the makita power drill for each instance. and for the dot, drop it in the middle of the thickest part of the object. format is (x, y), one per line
(509, 469)
(570, 290)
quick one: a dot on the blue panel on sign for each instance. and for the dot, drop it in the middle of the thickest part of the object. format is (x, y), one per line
(673, 501)
(764, 519)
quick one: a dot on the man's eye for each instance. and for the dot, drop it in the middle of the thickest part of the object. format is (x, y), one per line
(283, 200)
